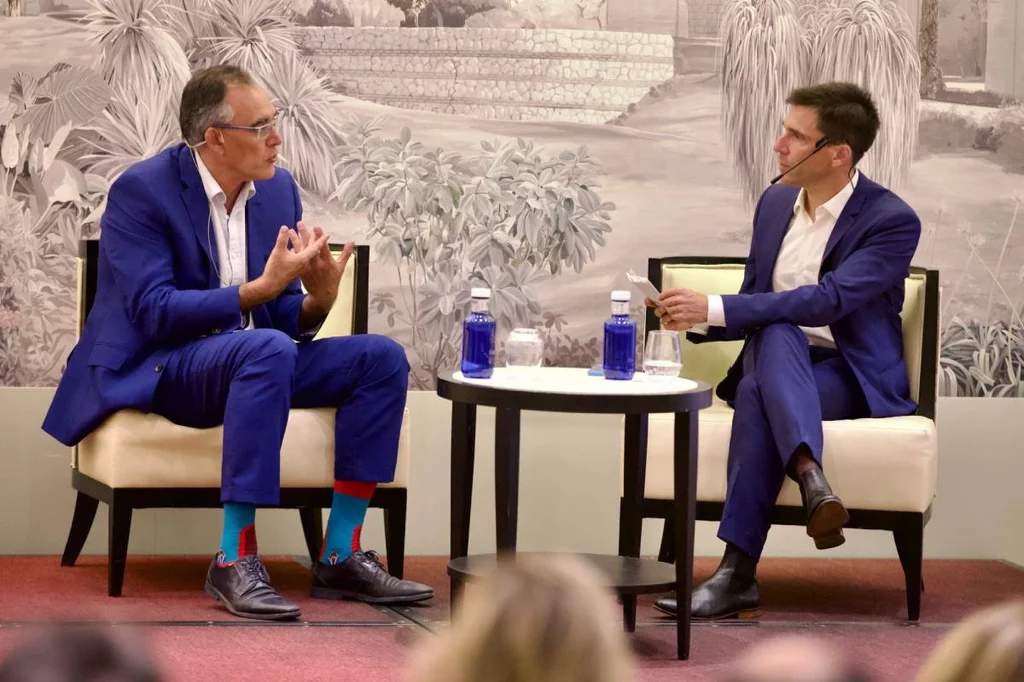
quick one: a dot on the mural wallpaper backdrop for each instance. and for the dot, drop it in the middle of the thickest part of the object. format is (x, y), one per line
(539, 147)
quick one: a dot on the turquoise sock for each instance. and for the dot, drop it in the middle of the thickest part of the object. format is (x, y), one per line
(345, 524)
(239, 537)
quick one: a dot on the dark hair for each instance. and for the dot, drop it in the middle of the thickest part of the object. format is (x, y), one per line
(846, 114)
(73, 654)
(202, 100)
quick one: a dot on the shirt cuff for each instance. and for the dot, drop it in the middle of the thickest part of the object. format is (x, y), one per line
(716, 311)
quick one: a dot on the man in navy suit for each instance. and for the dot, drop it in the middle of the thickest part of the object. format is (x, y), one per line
(200, 317)
(819, 313)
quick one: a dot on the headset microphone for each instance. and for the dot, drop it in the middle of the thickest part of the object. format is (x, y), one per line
(817, 147)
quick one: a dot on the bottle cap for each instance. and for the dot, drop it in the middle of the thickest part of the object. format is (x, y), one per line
(620, 295)
(480, 292)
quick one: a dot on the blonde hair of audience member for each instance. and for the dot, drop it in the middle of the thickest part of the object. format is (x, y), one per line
(988, 646)
(794, 658)
(538, 620)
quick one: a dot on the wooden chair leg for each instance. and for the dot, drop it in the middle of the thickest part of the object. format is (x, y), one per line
(910, 547)
(394, 532)
(313, 530)
(667, 553)
(81, 524)
(119, 529)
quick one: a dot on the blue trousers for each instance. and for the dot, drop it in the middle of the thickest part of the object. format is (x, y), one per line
(248, 380)
(788, 388)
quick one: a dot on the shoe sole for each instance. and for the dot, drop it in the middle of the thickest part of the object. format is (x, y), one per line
(829, 541)
(215, 593)
(828, 519)
(742, 614)
(339, 595)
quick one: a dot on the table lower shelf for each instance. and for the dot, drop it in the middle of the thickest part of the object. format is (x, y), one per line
(626, 575)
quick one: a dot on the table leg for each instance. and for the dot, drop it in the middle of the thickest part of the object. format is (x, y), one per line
(463, 451)
(506, 478)
(685, 483)
(630, 519)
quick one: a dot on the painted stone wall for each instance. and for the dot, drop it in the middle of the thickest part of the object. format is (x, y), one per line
(508, 74)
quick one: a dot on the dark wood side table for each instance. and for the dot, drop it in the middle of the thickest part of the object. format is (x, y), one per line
(557, 389)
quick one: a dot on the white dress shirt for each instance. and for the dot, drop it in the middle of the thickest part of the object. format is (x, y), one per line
(800, 256)
(228, 231)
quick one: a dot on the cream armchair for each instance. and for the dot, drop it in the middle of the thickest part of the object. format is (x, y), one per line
(138, 461)
(884, 470)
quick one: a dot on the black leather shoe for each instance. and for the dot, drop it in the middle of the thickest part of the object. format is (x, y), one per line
(730, 592)
(244, 587)
(826, 514)
(362, 577)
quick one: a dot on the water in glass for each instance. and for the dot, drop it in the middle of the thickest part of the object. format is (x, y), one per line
(524, 349)
(662, 355)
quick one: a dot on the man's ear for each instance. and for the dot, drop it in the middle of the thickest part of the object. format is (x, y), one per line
(843, 155)
(214, 140)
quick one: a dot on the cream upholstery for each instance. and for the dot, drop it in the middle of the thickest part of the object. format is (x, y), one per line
(136, 450)
(886, 464)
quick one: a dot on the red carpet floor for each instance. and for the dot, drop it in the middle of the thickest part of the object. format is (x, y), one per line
(858, 606)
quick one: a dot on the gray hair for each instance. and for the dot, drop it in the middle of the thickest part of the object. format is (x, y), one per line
(202, 100)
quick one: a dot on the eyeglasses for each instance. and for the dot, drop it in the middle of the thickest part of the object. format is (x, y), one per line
(262, 131)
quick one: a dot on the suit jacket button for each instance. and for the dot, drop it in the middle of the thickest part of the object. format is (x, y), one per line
(159, 368)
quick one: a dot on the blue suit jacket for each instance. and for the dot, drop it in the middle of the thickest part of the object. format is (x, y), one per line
(156, 287)
(859, 294)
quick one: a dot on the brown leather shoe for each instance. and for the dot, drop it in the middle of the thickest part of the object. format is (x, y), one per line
(826, 514)
(244, 587)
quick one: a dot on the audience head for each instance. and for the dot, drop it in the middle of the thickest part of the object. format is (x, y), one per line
(538, 620)
(72, 654)
(793, 658)
(841, 117)
(986, 647)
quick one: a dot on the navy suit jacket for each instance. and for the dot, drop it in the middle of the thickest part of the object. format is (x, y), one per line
(859, 294)
(156, 287)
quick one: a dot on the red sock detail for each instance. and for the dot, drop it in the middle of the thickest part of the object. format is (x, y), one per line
(361, 489)
(247, 541)
(357, 536)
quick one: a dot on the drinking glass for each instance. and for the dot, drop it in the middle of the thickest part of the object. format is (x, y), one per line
(662, 355)
(524, 349)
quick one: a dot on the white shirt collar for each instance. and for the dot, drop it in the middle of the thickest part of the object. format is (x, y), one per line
(213, 189)
(836, 204)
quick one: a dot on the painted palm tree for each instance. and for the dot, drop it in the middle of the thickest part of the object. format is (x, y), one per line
(872, 43)
(765, 53)
(772, 46)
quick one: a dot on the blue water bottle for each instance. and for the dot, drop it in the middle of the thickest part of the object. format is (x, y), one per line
(478, 337)
(619, 340)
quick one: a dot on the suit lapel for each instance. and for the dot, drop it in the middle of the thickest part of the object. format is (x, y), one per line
(198, 206)
(256, 247)
(777, 224)
(848, 217)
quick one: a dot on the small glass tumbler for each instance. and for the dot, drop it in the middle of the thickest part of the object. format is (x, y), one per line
(662, 355)
(524, 350)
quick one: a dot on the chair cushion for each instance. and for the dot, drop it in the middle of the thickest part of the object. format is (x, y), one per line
(136, 450)
(888, 464)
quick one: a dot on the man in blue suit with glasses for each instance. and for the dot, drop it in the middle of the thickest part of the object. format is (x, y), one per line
(200, 317)
(819, 313)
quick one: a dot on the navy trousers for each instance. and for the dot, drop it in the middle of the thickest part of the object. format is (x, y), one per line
(248, 380)
(788, 388)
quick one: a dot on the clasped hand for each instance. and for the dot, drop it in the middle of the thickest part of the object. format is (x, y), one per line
(680, 309)
(304, 253)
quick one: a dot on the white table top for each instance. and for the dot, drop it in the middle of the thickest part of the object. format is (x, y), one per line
(576, 381)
